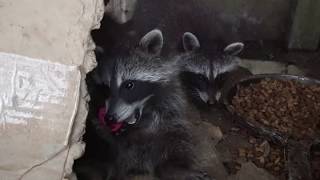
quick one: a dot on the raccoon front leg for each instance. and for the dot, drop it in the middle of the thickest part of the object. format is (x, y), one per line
(181, 169)
(175, 173)
(179, 157)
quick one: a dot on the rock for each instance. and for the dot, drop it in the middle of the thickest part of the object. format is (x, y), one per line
(235, 129)
(294, 70)
(266, 148)
(263, 67)
(215, 133)
(249, 171)
(45, 51)
(207, 136)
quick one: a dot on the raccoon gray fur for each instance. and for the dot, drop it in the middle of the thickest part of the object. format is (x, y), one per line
(147, 100)
(203, 74)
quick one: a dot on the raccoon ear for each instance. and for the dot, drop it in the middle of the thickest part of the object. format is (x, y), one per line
(190, 42)
(234, 48)
(152, 42)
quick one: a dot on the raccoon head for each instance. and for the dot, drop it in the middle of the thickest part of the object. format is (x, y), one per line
(135, 79)
(203, 75)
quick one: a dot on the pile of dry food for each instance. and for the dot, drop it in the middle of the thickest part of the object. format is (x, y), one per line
(288, 106)
(264, 156)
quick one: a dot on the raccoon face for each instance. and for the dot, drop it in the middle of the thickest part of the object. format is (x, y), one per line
(135, 79)
(203, 76)
(127, 101)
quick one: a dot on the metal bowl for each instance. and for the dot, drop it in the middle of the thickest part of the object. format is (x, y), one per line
(270, 133)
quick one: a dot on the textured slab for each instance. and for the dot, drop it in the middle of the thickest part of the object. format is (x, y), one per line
(38, 102)
(38, 108)
(305, 29)
(270, 67)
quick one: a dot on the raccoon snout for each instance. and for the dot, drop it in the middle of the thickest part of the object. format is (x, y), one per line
(211, 102)
(213, 97)
(111, 118)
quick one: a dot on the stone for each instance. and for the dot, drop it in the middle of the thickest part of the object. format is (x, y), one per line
(305, 28)
(263, 67)
(45, 51)
(250, 171)
(294, 70)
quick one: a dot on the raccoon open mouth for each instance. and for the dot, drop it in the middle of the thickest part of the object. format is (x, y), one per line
(118, 127)
(131, 120)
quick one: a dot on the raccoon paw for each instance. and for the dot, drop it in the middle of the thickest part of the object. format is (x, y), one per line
(199, 176)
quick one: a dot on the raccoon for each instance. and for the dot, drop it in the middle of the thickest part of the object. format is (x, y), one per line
(203, 74)
(146, 113)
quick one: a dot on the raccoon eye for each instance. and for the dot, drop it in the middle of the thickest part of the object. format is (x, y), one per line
(202, 78)
(129, 85)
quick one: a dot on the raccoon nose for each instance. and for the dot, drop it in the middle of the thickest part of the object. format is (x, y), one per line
(210, 102)
(111, 118)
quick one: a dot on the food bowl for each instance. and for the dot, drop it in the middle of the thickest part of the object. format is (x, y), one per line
(268, 132)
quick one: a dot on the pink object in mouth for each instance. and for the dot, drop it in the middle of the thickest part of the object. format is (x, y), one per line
(113, 126)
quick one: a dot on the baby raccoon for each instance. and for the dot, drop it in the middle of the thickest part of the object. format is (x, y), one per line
(145, 114)
(203, 74)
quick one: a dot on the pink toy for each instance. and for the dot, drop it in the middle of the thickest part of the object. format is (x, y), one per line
(113, 126)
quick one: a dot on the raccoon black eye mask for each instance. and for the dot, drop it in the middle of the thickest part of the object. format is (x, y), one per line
(204, 72)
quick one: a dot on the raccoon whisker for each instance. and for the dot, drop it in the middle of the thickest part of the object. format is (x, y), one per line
(125, 111)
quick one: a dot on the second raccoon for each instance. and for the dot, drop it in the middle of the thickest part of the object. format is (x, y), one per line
(203, 74)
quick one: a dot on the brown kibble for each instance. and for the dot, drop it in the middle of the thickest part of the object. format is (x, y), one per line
(238, 167)
(269, 165)
(250, 155)
(242, 152)
(277, 168)
(261, 160)
(252, 140)
(235, 129)
(287, 106)
(259, 153)
(266, 148)
(277, 160)
(273, 157)
(259, 149)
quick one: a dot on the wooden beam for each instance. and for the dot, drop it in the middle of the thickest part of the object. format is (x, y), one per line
(305, 29)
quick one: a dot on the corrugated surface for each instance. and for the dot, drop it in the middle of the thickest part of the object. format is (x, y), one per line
(38, 102)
